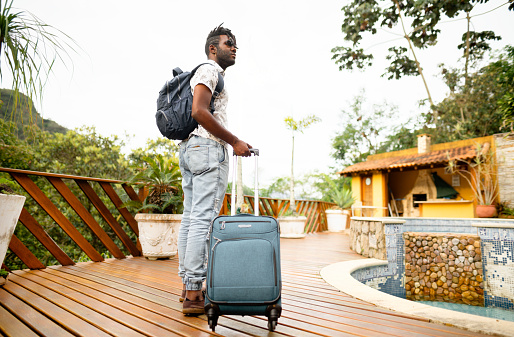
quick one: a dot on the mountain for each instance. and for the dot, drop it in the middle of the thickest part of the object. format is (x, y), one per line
(22, 116)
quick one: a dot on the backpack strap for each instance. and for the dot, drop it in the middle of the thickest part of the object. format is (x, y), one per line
(217, 90)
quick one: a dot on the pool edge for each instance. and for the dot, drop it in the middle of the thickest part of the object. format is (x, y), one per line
(339, 276)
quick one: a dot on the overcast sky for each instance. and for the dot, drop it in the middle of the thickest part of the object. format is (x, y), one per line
(283, 67)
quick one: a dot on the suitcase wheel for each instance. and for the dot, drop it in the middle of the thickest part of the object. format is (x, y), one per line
(272, 325)
(212, 312)
(212, 323)
(273, 312)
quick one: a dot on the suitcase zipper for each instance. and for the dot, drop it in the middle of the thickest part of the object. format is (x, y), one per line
(217, 241)
(222, 226)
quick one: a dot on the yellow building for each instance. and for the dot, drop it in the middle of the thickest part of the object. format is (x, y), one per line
(415, 182)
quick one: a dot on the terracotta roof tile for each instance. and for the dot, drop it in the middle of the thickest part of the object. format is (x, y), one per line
(414, 160)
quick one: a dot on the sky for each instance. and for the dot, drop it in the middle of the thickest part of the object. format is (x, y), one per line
(128, 49)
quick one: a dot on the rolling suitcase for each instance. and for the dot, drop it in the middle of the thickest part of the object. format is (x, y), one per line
(243, 270)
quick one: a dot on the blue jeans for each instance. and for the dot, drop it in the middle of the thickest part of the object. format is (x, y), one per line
(204, 165)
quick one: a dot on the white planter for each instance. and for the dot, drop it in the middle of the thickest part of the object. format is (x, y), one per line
(158, 234)
(10, 209)
(336, 219)
(292, 227)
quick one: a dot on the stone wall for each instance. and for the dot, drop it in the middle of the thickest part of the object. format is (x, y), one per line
(505, 158)
(367, 238)
(443, 267)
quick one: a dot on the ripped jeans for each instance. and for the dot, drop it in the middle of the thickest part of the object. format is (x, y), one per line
(204, 165)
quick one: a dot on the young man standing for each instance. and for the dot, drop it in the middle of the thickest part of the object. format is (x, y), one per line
(204, 165)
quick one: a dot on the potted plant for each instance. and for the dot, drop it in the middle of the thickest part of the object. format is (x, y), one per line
(292, 224)
(337, 216)
(480, 175)
(160, 211)
(10, 210)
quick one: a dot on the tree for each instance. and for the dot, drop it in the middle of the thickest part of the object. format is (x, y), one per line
(478, 103)
(310, 186)
(29, 49)
(365, 130)
(80, 152)
(361, 17)
(297, 126)
(160, 146)
(504, 67)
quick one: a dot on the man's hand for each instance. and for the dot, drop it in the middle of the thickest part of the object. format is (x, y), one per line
(241, 148)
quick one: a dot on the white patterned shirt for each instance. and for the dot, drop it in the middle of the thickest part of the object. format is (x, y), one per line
(207, 75)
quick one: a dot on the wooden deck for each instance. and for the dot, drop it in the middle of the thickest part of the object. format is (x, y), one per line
(138, 297)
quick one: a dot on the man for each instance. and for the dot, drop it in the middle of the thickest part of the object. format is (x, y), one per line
(204, 166)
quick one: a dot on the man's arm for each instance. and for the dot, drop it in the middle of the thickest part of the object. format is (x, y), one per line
(201, 113)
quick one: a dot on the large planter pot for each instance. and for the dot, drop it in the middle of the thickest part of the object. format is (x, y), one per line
(485, 211)
(158, 234)
(292, 227)
(10, 209)
(337, 220)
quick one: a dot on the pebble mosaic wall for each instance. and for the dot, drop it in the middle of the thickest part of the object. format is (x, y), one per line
(450, 267)
(443, 267)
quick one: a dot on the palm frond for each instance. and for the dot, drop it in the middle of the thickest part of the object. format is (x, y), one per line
(29, 49)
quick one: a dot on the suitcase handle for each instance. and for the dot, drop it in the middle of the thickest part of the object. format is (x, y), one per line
(256, 184)
(254, 151)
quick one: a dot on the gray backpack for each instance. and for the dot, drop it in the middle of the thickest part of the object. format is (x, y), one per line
(174, 105)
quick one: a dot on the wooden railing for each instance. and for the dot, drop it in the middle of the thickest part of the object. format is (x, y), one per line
(95, 206)
(314, 210)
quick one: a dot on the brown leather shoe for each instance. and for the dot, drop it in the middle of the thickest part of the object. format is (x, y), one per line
(183, 294)
(193, 307)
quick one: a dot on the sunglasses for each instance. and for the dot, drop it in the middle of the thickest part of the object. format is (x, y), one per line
(230, 43)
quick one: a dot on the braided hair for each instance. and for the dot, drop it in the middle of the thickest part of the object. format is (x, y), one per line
(214, 37)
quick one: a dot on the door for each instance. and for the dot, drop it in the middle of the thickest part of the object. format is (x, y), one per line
(367, 194)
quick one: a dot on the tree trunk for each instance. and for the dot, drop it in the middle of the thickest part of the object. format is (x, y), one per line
(292, 202)
(420, 70)
(466, 76)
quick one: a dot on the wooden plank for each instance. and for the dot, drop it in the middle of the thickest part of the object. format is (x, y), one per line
(269, 210)
(386, 320)
(149, 290)
(55, 313)
(168, 306)
(35, 228)
(61, 298)
(31, 188)
(151, 279)
(274, 207)
(310, 217)
(31, 317)
(63, 176)
(83, 213)
(316, 222)
(130, 192)
(25, 255)
(111, 193)
(11, 326)
(261, 208)
(97, 297)
(108, 217)
(255, 326)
